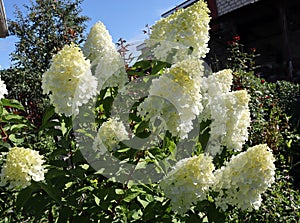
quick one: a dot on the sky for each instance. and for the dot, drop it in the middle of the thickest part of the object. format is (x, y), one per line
(123, 19)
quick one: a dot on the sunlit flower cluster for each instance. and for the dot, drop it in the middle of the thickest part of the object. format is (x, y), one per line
(98, 42)
(218, 83)
(110, 70)
(188, 74)
(228, 111)
(107, 63)
(183, 33)
(166, 103)
(188, 182)
(3, 90)
(244, 178)
(175, 99)
(237, 119)
(22, 165)
(69, 80)
(109, 135)
(230, 117)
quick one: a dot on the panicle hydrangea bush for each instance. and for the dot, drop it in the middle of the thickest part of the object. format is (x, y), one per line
(244, 178)
(21, 166)
(69, 81)
(184, 92)
(182, 96)
(189, 182)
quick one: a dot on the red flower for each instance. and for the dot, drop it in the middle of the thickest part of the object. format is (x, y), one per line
(253, 49)
(236, 38)
(262, 81)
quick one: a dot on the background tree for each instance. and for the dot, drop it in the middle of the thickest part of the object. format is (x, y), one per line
(43, 28)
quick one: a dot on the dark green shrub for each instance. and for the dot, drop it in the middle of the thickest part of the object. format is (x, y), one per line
(275, 120)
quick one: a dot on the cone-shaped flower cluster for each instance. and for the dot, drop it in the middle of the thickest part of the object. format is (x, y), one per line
(182, 34)
(175, 98)
(228, 111)
(189, 182)
(109, 135)
(69, 80)
(22, 165)
(107, 63)
(244, 178)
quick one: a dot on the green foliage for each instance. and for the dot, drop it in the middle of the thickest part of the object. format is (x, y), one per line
(240, 59)
(275, 118)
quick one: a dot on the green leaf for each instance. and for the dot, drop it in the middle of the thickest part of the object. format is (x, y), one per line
(214, 215)
(158, 66)
(142, 202)
(52, 192)
(1, 109)
(131, 196)
(97, 200)
(17, 127)
(141, 165)
(119, 191)
(15, 140)
(12, 103)
(12, 117)
(123, 150)
(23, 197)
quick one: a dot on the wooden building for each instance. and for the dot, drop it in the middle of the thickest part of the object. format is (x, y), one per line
(3, 24)
(272, 27)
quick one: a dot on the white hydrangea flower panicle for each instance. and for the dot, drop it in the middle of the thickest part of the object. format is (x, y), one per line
(164, 103)
(3, 89)
(168, 102)
(107, 64)
(21, 166)
(213, 87)
(69, 81)
(244, 178)
(228, 111)
(98, 41)
(175, 99)
(231, 120)
(189, 182)
(237, 119)
(109, 135)
(188, 74)
(110, 70)
(185, 32)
